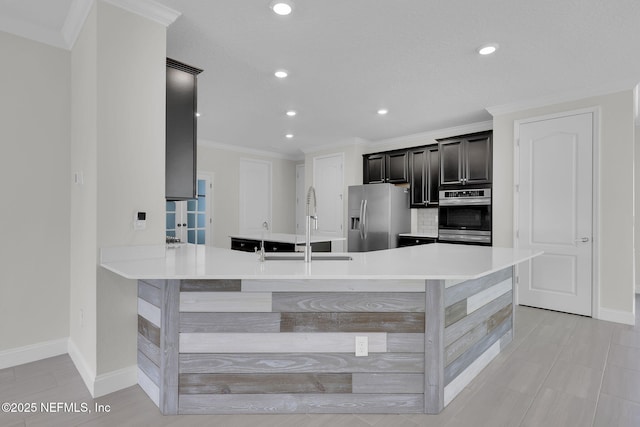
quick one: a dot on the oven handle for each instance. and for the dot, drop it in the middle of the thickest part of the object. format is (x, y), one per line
(464, 202)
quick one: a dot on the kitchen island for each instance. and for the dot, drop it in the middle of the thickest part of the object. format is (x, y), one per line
(222, 333)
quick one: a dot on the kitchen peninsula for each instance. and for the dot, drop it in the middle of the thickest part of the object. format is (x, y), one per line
(221, 332)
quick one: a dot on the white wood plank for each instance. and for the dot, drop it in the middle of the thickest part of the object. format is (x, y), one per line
(279, 342)
(466, 376)
(255, 302)
(149, 312)
(149, 387)
(333, 285)
(476, 301)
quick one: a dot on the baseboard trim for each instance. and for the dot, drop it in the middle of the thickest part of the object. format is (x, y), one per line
(115, 380)
(32, 353)
(86, 373)
(617, 316)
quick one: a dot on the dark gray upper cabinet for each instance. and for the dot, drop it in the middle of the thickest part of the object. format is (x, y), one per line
(391, 167)
(424, 167)
(181, 131)
(466, 159)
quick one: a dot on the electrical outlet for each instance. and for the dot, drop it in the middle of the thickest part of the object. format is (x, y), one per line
(362, 346)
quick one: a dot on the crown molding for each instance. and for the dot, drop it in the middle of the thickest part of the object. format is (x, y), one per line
(73, 23)
(245, 150)
(544, 101)
(149, 9)
(418, 138)
(31, 31)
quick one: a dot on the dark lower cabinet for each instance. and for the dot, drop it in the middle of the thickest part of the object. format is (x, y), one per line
(181, 131)
(250, 245)
(414, 241)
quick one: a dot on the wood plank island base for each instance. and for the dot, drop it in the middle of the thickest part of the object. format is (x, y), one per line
(264, 343)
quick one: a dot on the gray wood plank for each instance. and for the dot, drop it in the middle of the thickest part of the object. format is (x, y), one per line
(471, 287)
(301, 362)
(213, 285)
(149, 293)
(301, 403)
(405, 343)
(159, 283)
(169, 348)
(461, 363)
(149, 349)
(388, 383)
(453, 332)
(264, 383)
(149, 368)
(455, 312)
(330, 285)
(352, 322)
(149, 330)
(229, 322)
(434, 347)
(347, 302)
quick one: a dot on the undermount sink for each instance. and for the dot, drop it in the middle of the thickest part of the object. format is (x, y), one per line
(300, 257)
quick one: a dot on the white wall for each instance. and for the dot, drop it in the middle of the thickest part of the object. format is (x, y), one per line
(224, 163)
(118, 116)
(34, 177)
(616, 184)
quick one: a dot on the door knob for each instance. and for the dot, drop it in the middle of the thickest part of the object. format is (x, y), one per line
(582, 239)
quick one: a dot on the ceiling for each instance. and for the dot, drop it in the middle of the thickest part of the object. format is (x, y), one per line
(347, 59)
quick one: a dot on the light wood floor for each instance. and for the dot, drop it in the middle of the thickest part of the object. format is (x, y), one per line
(560, 370)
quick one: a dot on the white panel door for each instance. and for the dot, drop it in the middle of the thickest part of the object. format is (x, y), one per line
(328, 182)
(255, 195)
(554, 205)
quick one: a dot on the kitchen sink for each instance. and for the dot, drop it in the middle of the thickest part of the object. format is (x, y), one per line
(300, 257)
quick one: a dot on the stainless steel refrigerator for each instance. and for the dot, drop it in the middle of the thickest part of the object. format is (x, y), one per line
(377, 214)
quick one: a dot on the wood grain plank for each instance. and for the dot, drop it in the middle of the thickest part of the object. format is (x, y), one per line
(471, 287)
(169, 348)
(213, 285)
(388, 383)
(149, 331)
(159, 283)
(434, 347)
(149, 349)
(453, 332)
(301, 362)
(149, 312)
(229, 322)
(318, 285)
(149, 368)
(347, 302)
(264, 383)
(149, 293)
(352, 322)
(225, 302)
(455, 312)
(322, 342)
(405, 343)
(452, 389)
(301, 403)
(149, 387)
(476, 301)
(468, 357)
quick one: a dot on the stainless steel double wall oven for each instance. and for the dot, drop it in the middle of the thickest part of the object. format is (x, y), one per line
(464, 215)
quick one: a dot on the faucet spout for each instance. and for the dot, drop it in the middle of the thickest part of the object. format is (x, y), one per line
(311, 196)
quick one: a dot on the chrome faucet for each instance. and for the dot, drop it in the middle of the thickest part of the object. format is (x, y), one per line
(265, 226)
(311, 195)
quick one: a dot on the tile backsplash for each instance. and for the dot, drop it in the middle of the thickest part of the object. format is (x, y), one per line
(427, 221)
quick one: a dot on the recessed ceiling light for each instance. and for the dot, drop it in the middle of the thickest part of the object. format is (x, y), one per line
(289, 136)
(281, 7)
(281, 74)
(488, 49)
(291, 113)
(197, 114)
(383, 111)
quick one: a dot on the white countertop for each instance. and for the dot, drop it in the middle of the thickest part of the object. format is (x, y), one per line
(287, 238)
(434, 261)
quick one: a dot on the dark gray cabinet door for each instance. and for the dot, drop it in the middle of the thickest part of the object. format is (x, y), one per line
(374, 169)
(451, 156)
(433, 175)
(478, 160)
(397, 167)
(181, 131)
(418, 161)
(466, 159)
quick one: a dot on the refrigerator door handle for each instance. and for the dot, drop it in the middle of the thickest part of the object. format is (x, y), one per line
(360, 229)
(364, 219)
